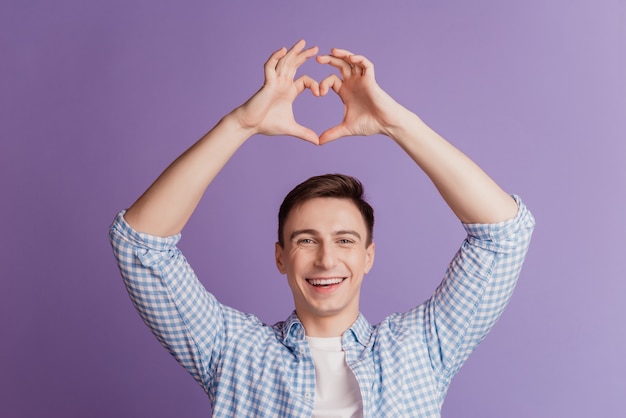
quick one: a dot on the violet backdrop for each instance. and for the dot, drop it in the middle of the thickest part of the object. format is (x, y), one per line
(97, 97)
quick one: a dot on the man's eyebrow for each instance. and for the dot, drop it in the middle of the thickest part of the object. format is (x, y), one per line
(316, 233)
(302, 232)
(348, 232)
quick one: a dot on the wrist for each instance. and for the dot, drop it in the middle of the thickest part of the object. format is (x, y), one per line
(405, 123)
(236, 120)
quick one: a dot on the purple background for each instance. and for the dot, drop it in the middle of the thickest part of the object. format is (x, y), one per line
(96, 98)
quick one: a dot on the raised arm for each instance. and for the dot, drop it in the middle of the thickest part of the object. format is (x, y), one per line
(471, 194)
(166, 206)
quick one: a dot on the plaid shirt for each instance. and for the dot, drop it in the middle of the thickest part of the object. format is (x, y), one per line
(403, 365)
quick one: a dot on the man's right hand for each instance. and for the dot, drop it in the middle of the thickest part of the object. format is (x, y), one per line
(270, 110)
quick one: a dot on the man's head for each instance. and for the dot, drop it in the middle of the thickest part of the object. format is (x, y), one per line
(337, 186)
(325, 249)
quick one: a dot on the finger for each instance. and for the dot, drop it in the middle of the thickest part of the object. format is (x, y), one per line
(340, 53)
(332, 81)
(307, 134)
(356, 69)
(292, 66)
(305, 55)
(366, 66)
(342, 65)
(354, 60)
(272, 62)
(297, 47)
(291, 54)
(294, 58)
(306, 82)
(333, 133)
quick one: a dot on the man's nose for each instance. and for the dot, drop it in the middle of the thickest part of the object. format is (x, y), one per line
(326, 257)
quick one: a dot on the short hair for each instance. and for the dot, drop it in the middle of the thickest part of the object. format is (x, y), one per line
(339, 186)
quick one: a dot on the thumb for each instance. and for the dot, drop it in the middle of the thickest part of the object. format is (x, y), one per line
(333, 133)
(304, 133)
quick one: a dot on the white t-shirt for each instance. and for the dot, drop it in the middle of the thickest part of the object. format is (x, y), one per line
(337, 393)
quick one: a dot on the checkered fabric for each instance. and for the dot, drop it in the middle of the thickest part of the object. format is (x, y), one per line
(403, 365)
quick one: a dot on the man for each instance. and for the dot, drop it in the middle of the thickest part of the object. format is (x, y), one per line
(325, 359)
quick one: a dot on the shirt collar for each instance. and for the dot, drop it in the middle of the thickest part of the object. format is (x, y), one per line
(293, 332)
(361, 330)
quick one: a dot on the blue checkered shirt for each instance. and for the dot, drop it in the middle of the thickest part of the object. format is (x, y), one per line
(403, 365)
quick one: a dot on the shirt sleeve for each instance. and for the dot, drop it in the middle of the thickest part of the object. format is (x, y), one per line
(475, 290)
(186, 319)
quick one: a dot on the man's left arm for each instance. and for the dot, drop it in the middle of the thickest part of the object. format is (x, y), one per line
(482, 275)
(471, 194)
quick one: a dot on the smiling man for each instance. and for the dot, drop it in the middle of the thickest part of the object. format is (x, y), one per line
(325, 359)
(325, 248)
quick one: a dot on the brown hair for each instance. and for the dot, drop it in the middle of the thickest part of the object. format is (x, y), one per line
(337, 186)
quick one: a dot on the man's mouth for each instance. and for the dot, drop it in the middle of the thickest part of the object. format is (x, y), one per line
(325, 282)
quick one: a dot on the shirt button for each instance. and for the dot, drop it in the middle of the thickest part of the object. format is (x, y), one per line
(307, 395)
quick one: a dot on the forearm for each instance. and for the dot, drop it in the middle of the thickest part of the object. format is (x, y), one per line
(471, 194)
(183, 316)
(167, 205)
(477, 286)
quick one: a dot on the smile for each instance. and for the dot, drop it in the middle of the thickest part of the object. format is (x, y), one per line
(325, 282)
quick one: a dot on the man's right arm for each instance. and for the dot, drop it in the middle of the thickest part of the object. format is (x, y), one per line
(164, 209)
(163, 287)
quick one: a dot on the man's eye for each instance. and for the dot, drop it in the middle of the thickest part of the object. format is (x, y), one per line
(305, 241)
(346, 241)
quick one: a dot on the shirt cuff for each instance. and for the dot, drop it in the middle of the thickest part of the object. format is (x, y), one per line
(141, 239)
(502, 235)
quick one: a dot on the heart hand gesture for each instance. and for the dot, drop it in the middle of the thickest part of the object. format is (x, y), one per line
(368, 108)
(270, 110)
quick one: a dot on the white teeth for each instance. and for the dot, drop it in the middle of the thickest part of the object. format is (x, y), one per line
(324, 282)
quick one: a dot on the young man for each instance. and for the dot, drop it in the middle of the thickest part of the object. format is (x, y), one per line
(325, 359)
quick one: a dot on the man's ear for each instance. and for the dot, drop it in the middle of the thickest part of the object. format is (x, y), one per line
(369, 257)
(278, 252)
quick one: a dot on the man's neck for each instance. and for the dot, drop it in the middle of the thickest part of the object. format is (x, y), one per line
(327, 326)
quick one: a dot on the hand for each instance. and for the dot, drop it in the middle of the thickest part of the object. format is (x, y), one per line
(270, 110)
(368, 108)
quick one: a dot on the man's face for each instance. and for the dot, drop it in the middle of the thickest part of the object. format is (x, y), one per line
(325, 257)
